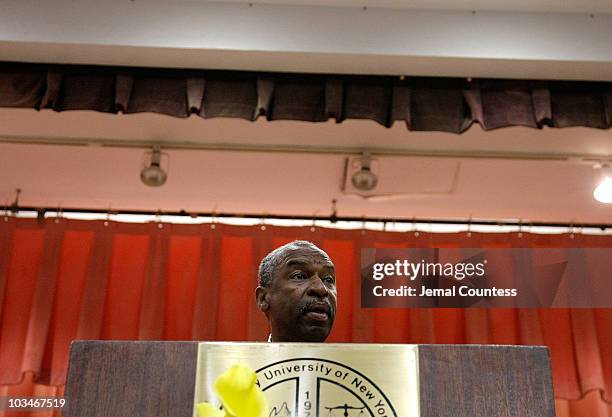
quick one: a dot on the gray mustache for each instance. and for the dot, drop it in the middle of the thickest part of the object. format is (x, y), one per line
(311, 303)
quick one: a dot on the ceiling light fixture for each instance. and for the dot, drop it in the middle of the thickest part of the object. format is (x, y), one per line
(603, 192)
(365, 179)
(152, 174)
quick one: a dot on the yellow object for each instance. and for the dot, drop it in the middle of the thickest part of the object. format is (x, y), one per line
(239, 394)
(208, 410)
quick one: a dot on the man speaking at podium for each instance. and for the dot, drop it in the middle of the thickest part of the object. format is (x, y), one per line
(297, 292)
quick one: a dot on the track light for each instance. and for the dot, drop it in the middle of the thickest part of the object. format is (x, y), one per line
(603, 192)
(152, 174)
(365, 179)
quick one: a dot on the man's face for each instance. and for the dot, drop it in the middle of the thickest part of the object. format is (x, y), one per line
(302, 296)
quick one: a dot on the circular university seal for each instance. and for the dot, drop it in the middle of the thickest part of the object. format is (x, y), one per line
(313, 387)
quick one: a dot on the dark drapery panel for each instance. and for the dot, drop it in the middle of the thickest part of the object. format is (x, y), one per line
(423, 104)
(62, 280)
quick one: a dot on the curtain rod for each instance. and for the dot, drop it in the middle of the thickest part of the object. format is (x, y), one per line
(333, 218)
(178, 145)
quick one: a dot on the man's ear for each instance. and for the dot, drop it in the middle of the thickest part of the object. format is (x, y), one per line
(261, 296)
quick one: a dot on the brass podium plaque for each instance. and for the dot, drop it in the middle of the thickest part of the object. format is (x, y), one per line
(319, 380)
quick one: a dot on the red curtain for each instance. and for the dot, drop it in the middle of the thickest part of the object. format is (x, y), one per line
(62, 280)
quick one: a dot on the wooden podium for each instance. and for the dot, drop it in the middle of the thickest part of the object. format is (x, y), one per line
(147, 379)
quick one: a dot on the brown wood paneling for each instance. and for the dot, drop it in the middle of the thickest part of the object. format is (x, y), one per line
(485, 381)
(144, 379)
(136, 379)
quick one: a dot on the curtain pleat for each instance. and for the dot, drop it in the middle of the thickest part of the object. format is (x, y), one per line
(303, 99)
(70, 283)
(265, 92)
(6, 237)
(158, 93)
(590, 370)
(367, 99)
(579, 104)
(195, 94)
(44, 296)
(51, 97)
(205, 316)
(423, 104)
(333, 99)
(530, 327)
(22, 86)
(95, 281)
(152, 307)
(123, 90)
(230, 96)
(603, 324)
(400, 104)
(438, 105)
(236, 283)
(522, 112)
(24, 260)
(81, 90)
(181, 278)
(66, 279)
(257, 323)
(126, 282)
(362, 320)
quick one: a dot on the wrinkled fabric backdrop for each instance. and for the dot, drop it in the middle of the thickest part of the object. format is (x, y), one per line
(62, 280)
(422, 103)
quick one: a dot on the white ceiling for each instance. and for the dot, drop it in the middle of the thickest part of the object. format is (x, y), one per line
(268, 181)
(590, 6)
(511, 43)
(297, 183)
